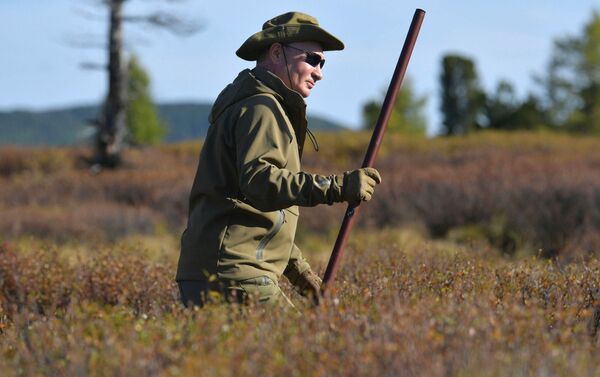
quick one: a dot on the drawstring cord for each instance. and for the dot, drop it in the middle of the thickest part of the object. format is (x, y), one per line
(286, 67)
(313, 139)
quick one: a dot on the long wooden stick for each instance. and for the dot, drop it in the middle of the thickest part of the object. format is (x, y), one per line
(376, 139)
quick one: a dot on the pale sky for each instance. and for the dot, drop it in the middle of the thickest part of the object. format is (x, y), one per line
(509, 40)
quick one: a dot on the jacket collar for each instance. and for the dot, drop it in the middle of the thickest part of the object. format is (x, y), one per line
(292, 102)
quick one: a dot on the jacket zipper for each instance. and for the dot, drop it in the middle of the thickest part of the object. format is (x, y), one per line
(260, 249)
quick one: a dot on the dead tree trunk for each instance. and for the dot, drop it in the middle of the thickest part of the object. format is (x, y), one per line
(110, 138)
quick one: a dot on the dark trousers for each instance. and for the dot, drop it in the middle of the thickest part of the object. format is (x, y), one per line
(193, 293)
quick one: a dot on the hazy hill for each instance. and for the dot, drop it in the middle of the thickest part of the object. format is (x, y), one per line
(70, 126)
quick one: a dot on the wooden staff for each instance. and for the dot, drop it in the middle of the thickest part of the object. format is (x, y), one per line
(376, 138)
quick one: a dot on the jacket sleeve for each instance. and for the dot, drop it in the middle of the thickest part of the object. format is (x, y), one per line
(296, 266)
(263, 141)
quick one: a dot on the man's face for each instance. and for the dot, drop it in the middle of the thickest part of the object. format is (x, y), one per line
(302, 75)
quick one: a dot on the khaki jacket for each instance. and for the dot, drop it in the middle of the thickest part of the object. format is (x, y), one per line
(243, 207)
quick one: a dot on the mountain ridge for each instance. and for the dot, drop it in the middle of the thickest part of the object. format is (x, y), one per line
(71, 125)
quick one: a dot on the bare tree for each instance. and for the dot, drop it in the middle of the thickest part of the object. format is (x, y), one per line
(111, 134)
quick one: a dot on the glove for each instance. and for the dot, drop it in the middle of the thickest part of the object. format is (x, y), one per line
(359, 185)
(308, 284)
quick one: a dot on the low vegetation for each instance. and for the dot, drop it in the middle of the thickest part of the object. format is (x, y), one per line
(478, 256)
(401, 306)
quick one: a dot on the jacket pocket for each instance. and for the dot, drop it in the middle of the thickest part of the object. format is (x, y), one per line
(260, 249)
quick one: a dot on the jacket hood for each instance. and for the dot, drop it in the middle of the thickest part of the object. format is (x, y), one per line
(260, 81)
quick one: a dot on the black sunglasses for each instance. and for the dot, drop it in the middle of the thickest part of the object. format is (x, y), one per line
(312, 58)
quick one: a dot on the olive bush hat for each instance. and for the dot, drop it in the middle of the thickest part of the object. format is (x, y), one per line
(286, 28)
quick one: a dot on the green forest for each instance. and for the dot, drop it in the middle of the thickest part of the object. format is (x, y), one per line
(566, 97)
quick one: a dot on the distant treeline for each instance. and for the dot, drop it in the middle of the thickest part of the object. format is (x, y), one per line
(566, 97)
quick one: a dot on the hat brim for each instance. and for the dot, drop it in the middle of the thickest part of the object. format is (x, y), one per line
(258, 42)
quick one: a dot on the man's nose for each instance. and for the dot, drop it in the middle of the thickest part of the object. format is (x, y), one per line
(317, 73)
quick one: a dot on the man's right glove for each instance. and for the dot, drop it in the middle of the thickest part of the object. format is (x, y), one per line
(359, 185)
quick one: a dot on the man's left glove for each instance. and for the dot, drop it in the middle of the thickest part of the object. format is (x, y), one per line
(308, 284)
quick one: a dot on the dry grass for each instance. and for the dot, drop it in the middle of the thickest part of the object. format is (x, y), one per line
(87, 267)
(521, 193)
(401, 306)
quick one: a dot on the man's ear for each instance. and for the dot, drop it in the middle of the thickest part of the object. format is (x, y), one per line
(276, 53)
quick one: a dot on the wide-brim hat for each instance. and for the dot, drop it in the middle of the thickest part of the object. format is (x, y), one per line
(286, 28)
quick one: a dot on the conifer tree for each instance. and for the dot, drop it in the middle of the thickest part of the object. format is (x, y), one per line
(143, 124)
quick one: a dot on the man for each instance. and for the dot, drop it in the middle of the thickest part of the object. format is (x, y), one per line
(244, 202)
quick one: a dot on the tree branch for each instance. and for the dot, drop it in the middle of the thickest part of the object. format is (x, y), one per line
(88, 41)
(175, 24)
(91, 66)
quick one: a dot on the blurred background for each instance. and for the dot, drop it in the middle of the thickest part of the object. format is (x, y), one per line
(493, 140)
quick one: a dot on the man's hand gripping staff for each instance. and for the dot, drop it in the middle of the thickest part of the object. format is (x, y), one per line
(359, 185)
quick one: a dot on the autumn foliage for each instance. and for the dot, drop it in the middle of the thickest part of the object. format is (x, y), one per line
(477, 256)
